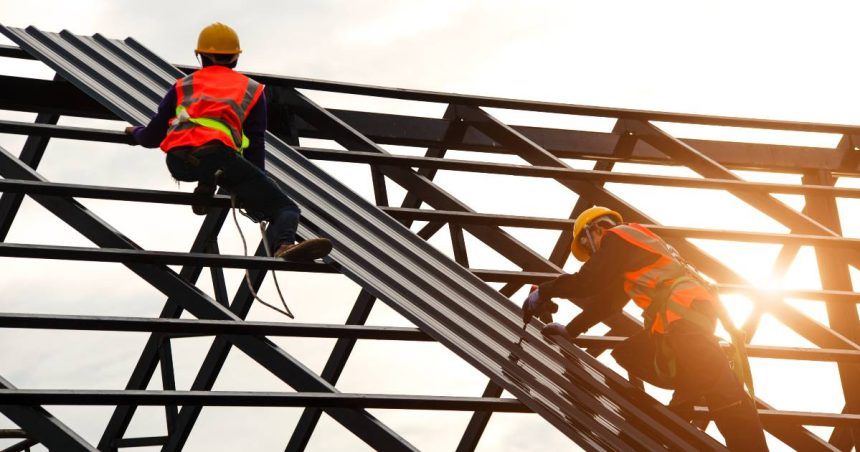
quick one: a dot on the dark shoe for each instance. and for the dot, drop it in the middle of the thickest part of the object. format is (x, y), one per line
(304, 251)
(203, 191)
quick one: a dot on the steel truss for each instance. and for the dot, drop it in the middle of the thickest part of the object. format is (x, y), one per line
(466, 126)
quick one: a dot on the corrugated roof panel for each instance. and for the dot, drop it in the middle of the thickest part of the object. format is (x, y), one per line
(574, 392)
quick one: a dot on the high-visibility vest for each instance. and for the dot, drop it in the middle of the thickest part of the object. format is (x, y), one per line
(664, 289)
(211, 105)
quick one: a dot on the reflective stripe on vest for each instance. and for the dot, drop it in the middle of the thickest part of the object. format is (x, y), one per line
(212, 104)
(663, 289)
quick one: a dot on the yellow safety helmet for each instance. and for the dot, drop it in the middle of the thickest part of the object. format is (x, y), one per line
(577, 248)
(218, 39)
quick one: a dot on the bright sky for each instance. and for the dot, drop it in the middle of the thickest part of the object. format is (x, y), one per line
(767, 59)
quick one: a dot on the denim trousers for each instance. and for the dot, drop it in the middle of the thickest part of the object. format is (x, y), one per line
(252, 188)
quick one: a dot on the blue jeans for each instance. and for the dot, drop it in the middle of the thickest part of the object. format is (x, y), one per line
(255, 192)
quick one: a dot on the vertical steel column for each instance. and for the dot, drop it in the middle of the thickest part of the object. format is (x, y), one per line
(168, 380)
(219, 285)
(43, 426)
(833, 269)
(31, 155)
(332, 371)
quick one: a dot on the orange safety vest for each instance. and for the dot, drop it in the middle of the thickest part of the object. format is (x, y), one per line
(665, 289)
(211, 105)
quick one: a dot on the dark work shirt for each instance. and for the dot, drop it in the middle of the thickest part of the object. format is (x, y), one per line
(254, 127)
(600, 281)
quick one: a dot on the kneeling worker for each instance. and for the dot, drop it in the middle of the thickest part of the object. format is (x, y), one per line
(677, 349)
(201, 125)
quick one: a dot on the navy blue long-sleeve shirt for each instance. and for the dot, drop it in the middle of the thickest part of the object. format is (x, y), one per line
(254, 127)
(600, 281)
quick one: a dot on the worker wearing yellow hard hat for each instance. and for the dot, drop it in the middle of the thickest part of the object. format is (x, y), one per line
(211, 124)
(677, 349)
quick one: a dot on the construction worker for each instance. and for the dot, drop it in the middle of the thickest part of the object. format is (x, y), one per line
(677, 349)
(211, 125)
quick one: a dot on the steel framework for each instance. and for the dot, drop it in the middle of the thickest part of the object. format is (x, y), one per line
(383, 249)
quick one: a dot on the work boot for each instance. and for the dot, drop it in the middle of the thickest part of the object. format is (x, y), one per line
(304, 251)
(202, 190)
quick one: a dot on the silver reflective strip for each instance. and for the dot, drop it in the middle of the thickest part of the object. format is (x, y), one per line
(250, 90)
(187, 87)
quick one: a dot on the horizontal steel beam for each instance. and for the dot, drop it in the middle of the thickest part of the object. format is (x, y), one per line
(772, 417)
(13, 433)
(111, 193)
(498, 102)
(834, 296)
(257, 399)
(151, 441)
(127, 256)
(563, 174)
(208, 327)
(754, 351)
(447, 216)
(79, 133)
(45, 96)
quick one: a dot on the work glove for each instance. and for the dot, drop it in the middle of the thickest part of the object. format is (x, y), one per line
(555, 329)
(530, 306)
(536, 306)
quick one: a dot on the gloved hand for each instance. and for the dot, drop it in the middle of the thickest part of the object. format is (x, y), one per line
(531, 305)
(555, 329)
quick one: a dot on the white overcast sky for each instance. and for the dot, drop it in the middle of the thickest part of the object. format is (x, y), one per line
(768, 59)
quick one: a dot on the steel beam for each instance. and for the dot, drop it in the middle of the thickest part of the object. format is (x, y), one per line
(75, 253)
(40, 424)
(31, 155)
(79, 397)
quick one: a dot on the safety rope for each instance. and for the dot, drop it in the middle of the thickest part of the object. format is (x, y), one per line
(286, 311)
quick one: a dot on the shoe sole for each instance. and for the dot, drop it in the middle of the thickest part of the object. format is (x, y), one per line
(308, 250)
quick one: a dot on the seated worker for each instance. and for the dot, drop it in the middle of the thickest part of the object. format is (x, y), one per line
(211, 125)
(677, 349)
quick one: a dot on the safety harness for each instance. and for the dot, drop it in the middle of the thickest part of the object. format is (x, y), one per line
(661, 303)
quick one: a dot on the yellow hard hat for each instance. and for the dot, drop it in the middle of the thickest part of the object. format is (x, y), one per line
(580, 251)
(218, 39)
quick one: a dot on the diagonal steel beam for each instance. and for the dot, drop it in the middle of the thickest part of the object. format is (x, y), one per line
(43, 426)
(280, 363)
(690, 157)
(331, 372)
(31, 155)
